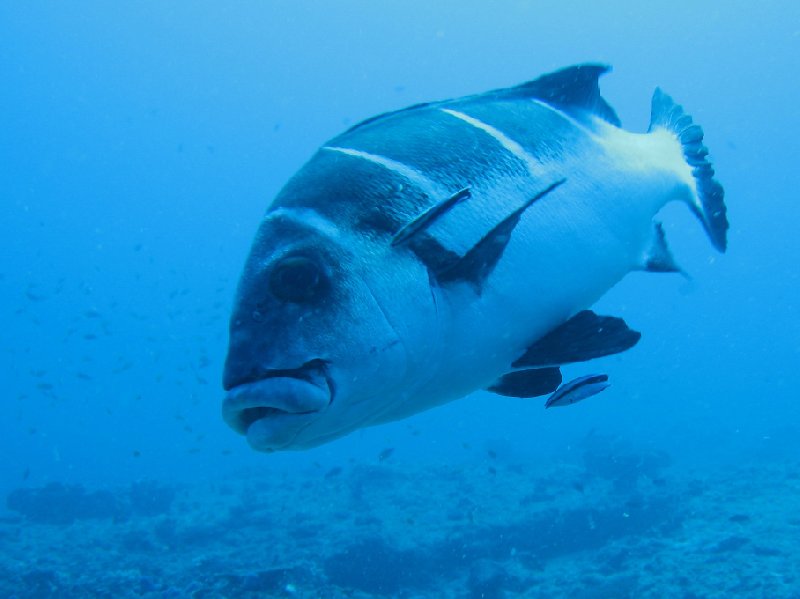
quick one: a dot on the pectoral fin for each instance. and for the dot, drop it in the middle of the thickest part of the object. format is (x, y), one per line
(583, 337)
(528, 383)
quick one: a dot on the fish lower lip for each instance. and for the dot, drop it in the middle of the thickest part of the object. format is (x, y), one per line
(272, 398)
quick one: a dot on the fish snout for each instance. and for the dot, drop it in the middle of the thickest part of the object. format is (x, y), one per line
(269, 406)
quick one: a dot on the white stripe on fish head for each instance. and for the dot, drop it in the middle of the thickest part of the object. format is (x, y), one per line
(339, 329)
(307, 217)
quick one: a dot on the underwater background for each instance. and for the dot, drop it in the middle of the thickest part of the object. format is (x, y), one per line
(140, 145)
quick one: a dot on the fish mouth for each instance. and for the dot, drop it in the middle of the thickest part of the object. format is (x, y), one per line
(270, 410)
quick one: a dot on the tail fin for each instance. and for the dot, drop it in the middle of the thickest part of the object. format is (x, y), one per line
(709, 204)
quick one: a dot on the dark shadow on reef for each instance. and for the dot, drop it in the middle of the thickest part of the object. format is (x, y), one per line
(633, 502)
(374, 567)
(57, 503)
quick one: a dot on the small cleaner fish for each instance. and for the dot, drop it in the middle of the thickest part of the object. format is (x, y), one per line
(455, 246)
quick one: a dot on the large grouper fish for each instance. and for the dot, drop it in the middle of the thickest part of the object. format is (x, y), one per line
(454, 246)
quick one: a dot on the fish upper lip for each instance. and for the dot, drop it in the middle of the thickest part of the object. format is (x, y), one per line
(278, 392)
(309, 371)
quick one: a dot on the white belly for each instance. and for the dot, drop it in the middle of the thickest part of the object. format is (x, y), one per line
(568, 250)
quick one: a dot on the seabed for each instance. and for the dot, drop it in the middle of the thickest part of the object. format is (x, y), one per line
(619, 524)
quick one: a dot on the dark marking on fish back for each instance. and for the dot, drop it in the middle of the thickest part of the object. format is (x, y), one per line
(433, 254)
(479, 262)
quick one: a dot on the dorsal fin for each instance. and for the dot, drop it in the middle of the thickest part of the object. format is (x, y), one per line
(574, 90)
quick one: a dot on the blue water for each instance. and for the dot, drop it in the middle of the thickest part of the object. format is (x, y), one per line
(141, 143)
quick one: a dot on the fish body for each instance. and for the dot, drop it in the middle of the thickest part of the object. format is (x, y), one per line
(454, 246)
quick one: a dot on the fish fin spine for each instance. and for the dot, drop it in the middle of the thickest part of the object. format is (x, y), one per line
(710, 201)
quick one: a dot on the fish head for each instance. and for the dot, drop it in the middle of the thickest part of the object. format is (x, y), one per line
(310, 347)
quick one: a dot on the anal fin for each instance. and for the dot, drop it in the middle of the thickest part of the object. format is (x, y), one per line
(583, 337)
(528, 383)
(659, 258)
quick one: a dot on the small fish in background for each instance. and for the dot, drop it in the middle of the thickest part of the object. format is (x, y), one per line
(333, 472)
(122, 366)
(454, 246)
(34, 294)
(385, 454)
(739, 518)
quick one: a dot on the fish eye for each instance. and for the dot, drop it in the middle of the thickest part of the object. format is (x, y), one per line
(296, 279)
